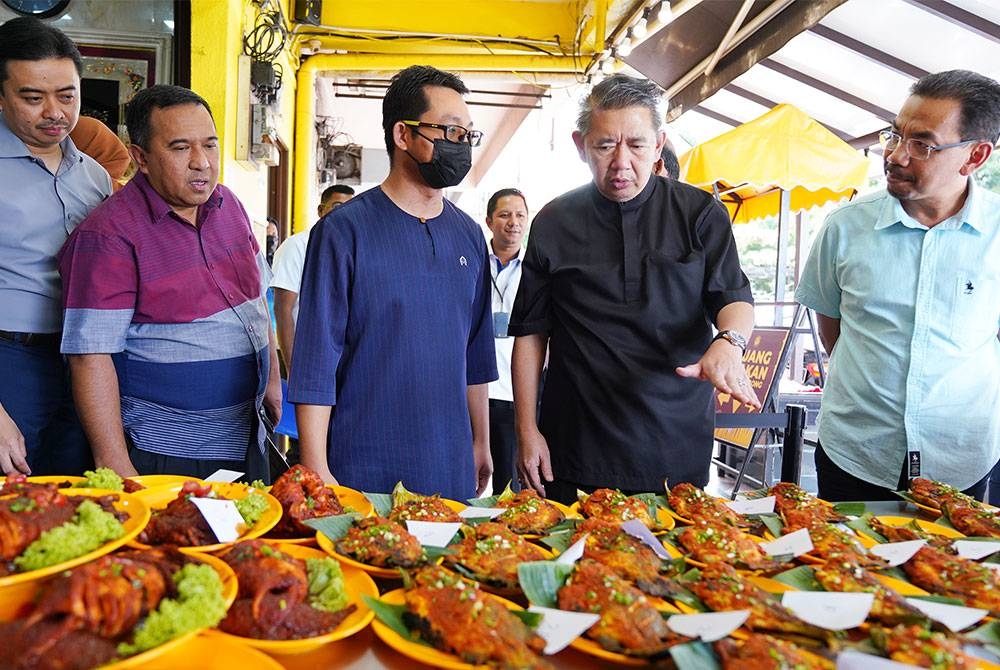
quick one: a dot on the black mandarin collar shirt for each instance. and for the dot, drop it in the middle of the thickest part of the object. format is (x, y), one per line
(627, 292)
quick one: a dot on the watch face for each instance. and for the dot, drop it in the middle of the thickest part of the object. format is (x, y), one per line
(39, 8)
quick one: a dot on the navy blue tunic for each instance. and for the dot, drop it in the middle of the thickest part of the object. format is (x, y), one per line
(394, 324)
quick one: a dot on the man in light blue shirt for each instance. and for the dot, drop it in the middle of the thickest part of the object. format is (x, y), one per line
(907, 288)
(47, 186)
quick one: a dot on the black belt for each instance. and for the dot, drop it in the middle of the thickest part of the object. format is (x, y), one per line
(501, 403)
(32, 339)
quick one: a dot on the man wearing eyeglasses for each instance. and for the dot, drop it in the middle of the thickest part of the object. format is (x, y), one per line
(622, 282)
(394, 342)
(907, 290)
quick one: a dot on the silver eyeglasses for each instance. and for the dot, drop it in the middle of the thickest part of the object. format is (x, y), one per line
(456, 134)
(890, 141)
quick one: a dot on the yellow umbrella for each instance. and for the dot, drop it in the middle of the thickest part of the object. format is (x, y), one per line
(784, 149)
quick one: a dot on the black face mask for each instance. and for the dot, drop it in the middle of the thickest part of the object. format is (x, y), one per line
(448, 165)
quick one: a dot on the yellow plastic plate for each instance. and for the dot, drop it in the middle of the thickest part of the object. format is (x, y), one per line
(159, 497)
(138, 516)
(356, 583)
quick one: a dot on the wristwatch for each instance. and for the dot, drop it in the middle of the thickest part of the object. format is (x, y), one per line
(733, 337)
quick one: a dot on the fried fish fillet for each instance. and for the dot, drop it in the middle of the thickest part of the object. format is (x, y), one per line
(800, 509)
(942, 573)
(764, 652)
(491, 552)
(613, 505)
(723, 589)
(629, 622)
(915, 645)
(889, 607)
(382, 543)
(711, 541)
(458, 618)
(692, 503)
(528, 513)
(628, 557)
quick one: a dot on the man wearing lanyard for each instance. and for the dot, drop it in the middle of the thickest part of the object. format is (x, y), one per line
(507, 218)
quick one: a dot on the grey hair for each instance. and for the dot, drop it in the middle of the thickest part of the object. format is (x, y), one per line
(978, 96)
(618, 92)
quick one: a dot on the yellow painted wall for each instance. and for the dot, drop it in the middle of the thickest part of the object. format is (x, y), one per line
(217, 30)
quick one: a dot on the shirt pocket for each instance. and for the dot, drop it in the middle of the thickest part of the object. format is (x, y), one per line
(245, 270)
(975, 309)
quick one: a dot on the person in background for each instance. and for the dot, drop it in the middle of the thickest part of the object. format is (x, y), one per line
(394, 342)
(98, 141)
(507, 219)
(288, 262)
(271, 240)
(667, 164)
(47, 186)
(906, 286)
(623, 280)
(172, 354)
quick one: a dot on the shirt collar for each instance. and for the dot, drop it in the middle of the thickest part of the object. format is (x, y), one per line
(973, 213)
(160, 210)
(608, 206)
(498, 263)
(11, 146)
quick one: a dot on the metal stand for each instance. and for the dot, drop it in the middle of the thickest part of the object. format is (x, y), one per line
(793, 423)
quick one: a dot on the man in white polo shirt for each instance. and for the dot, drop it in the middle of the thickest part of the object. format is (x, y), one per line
(507, 218)
(287, 280)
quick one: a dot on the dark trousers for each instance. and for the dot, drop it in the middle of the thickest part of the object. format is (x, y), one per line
(35, 392)
(994, 492)
(503, 445)
(837, 485)
(254, 466)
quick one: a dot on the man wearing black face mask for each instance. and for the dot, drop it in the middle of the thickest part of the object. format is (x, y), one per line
(394, 344)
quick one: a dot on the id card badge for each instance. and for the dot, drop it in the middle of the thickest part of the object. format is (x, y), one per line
(913, 464)
(500, 321)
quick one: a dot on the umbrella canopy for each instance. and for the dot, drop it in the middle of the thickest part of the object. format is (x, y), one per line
(784, 149)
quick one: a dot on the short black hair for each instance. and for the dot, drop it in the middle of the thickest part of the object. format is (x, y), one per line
(491, 206)
(27, 38)
(336, 188)
(161, 96)
(978, 95)
(405, 99)
(671, 165)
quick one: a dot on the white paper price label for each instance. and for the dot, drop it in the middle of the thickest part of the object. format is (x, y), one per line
(832, 611)
(558, 627)
(710, 626)
(224, 476)
(752, 506)
(433, 533)
(574, 552)
(222, 517)
(897, 553)
(796, 544)
(854, 660)
(473, 512)
(955, 617)
(638, 529)
(974, 549)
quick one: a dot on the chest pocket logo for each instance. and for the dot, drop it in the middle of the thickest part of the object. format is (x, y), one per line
(462, 261)
(974, 310)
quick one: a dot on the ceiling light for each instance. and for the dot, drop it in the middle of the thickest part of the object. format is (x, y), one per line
(608, 66)
(638, 29)
(625, 47)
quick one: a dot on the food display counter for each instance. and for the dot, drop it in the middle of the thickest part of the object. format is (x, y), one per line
(367, 648)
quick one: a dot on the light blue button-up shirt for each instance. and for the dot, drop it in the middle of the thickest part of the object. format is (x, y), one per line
(917, 363)
(38, 212)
